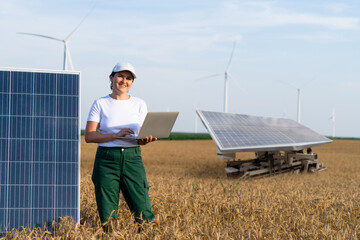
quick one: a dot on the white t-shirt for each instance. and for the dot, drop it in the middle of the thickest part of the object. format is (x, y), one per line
(113, 115)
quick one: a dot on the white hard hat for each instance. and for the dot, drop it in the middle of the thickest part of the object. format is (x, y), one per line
(124, 66)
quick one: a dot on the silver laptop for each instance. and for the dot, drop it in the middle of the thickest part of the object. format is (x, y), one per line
(156, 124)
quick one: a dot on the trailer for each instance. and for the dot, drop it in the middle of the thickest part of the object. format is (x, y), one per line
(271, 163)
(280, 145)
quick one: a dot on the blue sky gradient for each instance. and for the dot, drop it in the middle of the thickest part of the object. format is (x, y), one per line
(313, 45)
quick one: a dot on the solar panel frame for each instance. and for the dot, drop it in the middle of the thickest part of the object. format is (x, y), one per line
(248, 132)
(27, 96)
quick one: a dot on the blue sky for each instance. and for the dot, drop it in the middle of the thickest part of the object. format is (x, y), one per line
(313, 45)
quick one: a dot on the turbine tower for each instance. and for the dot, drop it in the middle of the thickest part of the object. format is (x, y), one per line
(299, 105)
(227, 75)
(333, 122)
(196, 125)
(298, 89)
(65, 41)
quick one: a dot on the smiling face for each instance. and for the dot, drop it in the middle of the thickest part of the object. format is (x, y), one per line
(121, 82)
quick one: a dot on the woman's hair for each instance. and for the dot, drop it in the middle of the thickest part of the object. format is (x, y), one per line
(112, 75)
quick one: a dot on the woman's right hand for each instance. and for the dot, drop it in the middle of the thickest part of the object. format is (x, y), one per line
(93, 136)
(124, 132)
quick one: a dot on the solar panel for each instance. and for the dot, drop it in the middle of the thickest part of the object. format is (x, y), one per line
(39, 147)
(245, 133)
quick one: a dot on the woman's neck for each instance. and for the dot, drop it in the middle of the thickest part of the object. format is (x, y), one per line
(121, 96)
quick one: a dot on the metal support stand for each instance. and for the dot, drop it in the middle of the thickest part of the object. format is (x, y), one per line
(269, 163)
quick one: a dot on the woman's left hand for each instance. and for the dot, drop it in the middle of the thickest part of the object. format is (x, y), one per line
(146, 140)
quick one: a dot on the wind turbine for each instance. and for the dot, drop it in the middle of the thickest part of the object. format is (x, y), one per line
(299, 105)
(196, 125)
(333, 122)
(298, 100)
(226, 76)
(64, 41)
(298, 89)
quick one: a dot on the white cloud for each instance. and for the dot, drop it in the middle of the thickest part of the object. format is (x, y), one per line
(320, 37)
(193, 31)
(336, 7)
(353, 84)
(269, 14)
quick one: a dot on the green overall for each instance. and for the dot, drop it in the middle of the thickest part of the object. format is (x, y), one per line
(116, 169)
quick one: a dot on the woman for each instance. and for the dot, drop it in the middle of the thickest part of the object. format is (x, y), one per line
(118, 164)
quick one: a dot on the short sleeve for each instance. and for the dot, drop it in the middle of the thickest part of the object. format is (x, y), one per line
(94, 114)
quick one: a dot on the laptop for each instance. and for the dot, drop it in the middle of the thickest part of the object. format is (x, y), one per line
(156, 124)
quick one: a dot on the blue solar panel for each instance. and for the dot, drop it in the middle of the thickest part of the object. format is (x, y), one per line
(39, 147)
(245, 133)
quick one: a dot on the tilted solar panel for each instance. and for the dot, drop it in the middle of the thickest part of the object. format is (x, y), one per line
(39, 147)
(244, 133)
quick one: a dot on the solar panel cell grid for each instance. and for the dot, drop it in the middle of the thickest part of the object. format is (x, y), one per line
(44, 83)
(237, 132)
(39, 147)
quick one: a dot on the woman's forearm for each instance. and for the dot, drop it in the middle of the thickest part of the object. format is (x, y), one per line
(96, 137)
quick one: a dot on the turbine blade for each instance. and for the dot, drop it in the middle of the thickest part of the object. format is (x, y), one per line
(72, 32)
(39, 35)
(231, 56)
(289, 84)
(236, 83)
(210, 76)
(314, 79)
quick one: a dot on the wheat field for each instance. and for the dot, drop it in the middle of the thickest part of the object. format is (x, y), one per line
(192, 198)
